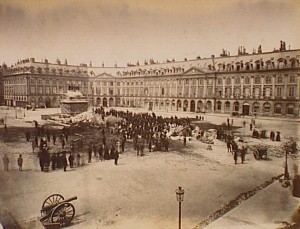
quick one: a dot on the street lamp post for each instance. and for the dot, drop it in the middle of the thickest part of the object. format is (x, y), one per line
(286, 171)
(179, 196)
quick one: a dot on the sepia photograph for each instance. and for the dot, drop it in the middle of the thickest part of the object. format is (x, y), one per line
(149, 114)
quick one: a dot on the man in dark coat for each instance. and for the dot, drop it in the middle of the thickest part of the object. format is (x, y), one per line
(235, 151)
(106, 153)
(184, 140)
(112, 152)
(90, 154)
(53, 161)
(243, 154)
(54, 138)
(71, 160)
(65, 162)
(116, 157)
(166, 141)
(101, 148)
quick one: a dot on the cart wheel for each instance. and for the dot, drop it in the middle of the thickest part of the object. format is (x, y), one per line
(53, 199)
(63, 214)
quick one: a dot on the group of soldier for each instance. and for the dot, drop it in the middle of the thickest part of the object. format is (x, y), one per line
(232, 147)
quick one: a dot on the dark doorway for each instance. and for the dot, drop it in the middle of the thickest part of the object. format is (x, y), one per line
(246, 109)
(48, 103)
(193, 106)
(105, 102)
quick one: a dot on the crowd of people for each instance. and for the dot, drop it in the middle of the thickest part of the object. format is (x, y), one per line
(144, 130)
(147, 130)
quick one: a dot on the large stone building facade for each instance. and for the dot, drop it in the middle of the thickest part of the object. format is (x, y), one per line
(251, 84)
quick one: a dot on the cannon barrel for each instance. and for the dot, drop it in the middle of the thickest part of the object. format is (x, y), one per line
(51, 206)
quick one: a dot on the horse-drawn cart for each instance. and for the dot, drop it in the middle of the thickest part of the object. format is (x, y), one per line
(260, 154)
(57, 212)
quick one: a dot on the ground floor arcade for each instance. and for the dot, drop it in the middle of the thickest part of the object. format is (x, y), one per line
(236, 107)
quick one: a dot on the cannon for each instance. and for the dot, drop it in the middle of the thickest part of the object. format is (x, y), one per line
(56, 210)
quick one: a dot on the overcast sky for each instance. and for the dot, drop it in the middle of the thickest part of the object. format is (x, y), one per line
(125, 31)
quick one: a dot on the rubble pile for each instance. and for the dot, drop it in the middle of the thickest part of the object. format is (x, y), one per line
(234, 203)
(276, 151)
(88, 117)
(113, 119)
(176, 131)
(206, 140)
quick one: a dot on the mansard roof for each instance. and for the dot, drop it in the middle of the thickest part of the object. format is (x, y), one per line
(201, 65)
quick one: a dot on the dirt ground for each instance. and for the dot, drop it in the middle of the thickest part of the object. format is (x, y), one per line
(137, 193)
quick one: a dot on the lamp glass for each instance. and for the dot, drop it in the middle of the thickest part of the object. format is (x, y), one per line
(179, 194)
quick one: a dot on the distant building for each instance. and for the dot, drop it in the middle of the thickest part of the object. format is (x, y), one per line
(41, 84)
(1, 87)
(251, 84)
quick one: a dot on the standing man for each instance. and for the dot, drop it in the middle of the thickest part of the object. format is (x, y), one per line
(244, 123)
(33, 145)
(48, 136)
(116, 157)
(101, 149)
(118, 146)
(228, 143)
(243, 154)
(150, 143)
(123, 143)
(166, 144)
(78, 160)
(90, 154)
(54, 138)
(65, 162)
(20, 162)
(53, 161)
(63, 142)
(71, 160)
(235, 151)
(5, 162)
(184, 140)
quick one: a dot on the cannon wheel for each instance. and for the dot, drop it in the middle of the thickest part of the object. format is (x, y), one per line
(53, 199)
(63, 214)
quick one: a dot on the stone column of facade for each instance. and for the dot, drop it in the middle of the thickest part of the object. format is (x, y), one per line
(159, 89)
(242, 87)
(190, 82)
(214, 87)
(223, 90)
(197, 89)
(273, 86)
(94, 93)
(176, 88)
(298, 86)
(262, 87)
(285, 81)
(251, 86)
(205, 87)
(232, 89)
